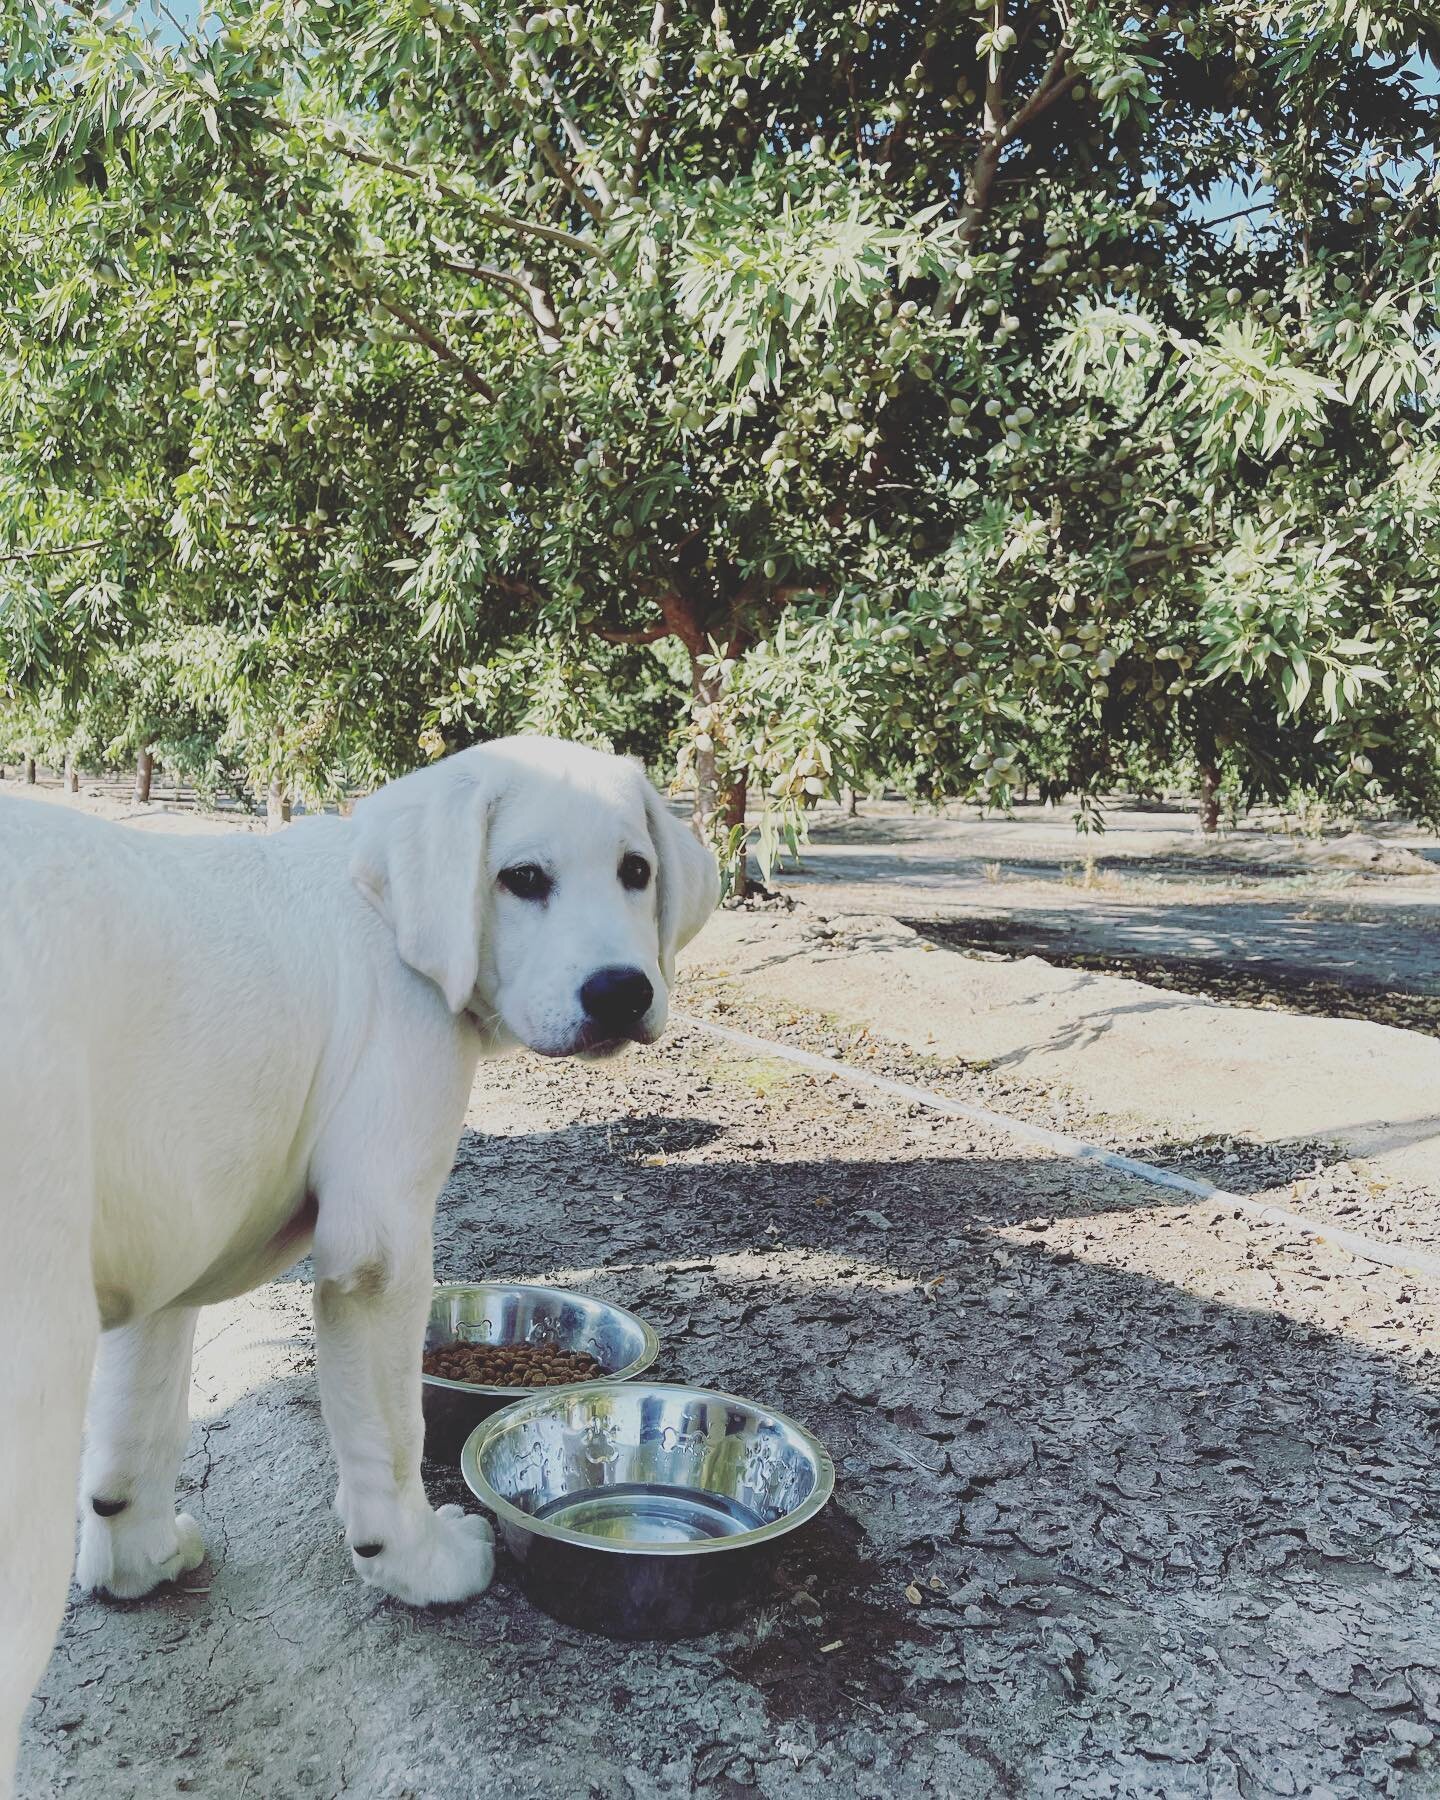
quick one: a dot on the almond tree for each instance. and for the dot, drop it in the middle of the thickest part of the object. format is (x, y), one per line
(896, 374)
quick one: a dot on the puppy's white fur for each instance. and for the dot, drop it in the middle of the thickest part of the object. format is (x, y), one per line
(217, 1054)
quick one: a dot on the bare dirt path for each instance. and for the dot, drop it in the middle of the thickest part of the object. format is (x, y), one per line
(1134, 1498)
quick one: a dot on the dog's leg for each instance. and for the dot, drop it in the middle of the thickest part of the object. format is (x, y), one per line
(370, 1332)
(48, 1327)
(131, 1537)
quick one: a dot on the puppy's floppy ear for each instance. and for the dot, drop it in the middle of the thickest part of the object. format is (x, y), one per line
(687, 877)
(419, 859)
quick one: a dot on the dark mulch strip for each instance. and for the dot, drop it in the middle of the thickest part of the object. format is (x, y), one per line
(1279, 987)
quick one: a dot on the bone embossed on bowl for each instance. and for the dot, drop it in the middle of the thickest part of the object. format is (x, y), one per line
(640, 1509)
(493, 1312)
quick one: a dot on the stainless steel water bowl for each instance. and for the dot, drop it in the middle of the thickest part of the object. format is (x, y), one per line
(639, 1509)
(493, 1312)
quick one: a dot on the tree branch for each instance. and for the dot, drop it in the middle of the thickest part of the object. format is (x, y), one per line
(1162, 553)
(520, 590)
(565, 175)
(551, 233)
(1054, 85)
(573, 134)
(649, 634)
(422, 334)
(537, 301)
(1243, 213)
(54, 550)
(561, 170)
(992, 122)
(682, 621)
(507, 221)
(483, 272)
(645, 124)
(998, 134)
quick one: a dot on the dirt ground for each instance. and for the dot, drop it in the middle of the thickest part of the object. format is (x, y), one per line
(1342, 926)
(1134, 1498)
(1123, 1063)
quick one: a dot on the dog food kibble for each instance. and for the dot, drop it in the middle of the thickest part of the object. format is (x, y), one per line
(510, 1365)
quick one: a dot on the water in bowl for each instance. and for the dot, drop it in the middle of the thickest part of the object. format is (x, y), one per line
(634, 1512)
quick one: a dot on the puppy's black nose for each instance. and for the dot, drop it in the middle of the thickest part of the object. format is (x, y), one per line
(615, 998)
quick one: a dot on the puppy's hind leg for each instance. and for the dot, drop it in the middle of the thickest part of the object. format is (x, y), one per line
(131, 1537)
(48, 1328)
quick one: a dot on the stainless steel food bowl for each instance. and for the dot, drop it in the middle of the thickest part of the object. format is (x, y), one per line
(492, 1312)
(643, 1510)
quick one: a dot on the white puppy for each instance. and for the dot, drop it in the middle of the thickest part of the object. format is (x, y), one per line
(217, 1054)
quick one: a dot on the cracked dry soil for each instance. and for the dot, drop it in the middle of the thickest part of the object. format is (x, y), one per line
(1134, 1497)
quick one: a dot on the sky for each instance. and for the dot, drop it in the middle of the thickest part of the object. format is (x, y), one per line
(1228, 197)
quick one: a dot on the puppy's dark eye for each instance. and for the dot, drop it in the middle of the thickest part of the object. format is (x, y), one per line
(526, 881)
(634, 872)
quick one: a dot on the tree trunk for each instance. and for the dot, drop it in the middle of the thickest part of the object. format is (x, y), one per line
(719, 803)
(733, 798)
(72, 775)
(702, 688)
(277, 806)
(1209, 799)
(144, 775)
(848, 803)
(30, 770)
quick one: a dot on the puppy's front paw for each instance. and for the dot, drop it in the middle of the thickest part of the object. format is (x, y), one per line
(438, 1556)
(129, 1556)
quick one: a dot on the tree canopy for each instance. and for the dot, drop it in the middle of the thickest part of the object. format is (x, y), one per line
(961, 397)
